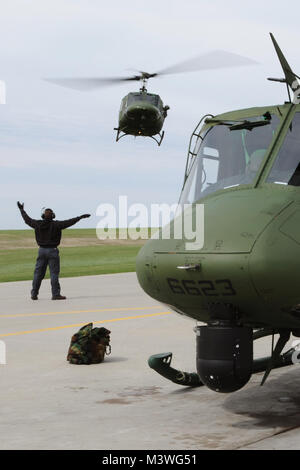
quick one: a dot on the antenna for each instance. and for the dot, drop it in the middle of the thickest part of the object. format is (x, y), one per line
(290, 77)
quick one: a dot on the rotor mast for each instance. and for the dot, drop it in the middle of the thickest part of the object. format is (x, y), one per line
(144, 77)
(144, 82)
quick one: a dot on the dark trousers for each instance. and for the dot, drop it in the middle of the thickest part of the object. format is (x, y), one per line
(46, 257)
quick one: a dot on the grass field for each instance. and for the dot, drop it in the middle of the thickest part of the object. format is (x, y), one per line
(81, 254)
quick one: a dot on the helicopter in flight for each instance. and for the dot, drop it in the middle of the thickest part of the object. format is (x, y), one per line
(143, 113)
(242, 283)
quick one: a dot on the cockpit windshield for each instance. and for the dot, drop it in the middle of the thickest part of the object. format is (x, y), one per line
(135, 97)
(230, 154)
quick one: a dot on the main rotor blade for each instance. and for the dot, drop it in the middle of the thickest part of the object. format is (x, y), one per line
(211, 60)
(86, 84)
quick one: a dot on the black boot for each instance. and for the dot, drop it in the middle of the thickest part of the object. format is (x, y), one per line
(58, 297)
(34, 295)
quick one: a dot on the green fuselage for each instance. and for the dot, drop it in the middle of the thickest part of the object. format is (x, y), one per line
(141, 114)
(249, 183)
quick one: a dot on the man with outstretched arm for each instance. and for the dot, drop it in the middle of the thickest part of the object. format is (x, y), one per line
(48, 236)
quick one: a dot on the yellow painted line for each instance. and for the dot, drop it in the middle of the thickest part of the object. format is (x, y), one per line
(69, 312)
(76, 325)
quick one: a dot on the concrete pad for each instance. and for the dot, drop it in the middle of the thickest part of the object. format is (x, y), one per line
(47, 403)
(289, 440)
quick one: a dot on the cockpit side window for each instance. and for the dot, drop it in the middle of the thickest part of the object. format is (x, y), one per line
(124, 102)
(286, 169)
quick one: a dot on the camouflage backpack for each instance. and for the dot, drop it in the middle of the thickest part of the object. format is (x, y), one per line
(89, 345)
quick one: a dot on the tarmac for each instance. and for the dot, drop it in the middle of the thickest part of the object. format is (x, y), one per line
(47, 403)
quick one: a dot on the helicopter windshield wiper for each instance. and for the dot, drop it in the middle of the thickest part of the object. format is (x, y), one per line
(249, 125)
(245, 124)
(221, 122)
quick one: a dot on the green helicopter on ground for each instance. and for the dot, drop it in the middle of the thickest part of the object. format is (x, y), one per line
(243, 166)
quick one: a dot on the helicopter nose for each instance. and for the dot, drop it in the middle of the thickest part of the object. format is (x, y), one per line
(240, 246)
(131, 113)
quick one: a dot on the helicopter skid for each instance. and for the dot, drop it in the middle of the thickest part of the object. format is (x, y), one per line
(120, 135)
(161, 138)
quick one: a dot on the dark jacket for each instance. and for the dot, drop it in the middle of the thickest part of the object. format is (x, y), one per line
(48, 232)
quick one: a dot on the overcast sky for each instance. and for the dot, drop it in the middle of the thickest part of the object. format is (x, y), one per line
(58, 146)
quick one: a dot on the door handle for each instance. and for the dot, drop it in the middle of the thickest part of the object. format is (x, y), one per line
(190, 267)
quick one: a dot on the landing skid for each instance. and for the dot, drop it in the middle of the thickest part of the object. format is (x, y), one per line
(120, 135)
(161, 138)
